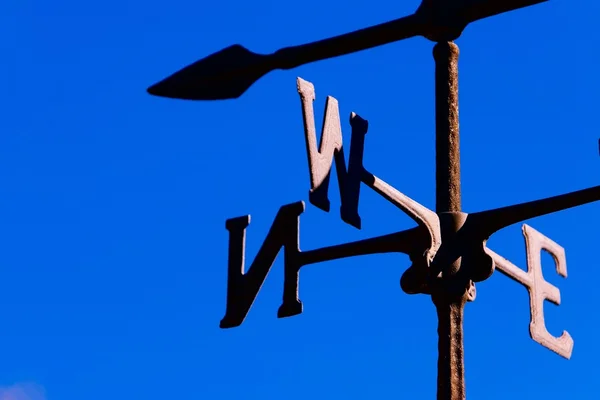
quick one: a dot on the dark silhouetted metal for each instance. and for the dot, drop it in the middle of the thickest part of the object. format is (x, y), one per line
(447, 248)
(228, 73)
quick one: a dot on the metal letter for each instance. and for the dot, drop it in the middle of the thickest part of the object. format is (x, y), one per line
(539, 289)
(330, 149)
(320, 162)
(242, 288)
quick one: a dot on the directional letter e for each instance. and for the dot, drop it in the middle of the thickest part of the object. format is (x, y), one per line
(540, 290)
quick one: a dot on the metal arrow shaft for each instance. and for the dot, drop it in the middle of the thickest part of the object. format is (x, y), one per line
(388, 32)
(230, 72)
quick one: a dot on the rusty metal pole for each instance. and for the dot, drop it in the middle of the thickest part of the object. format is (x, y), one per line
(448, 198)
(449, 294)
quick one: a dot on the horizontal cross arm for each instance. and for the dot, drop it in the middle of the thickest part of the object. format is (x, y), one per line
(484, 224)
(409, 241)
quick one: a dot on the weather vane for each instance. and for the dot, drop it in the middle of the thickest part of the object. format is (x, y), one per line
(447, 248)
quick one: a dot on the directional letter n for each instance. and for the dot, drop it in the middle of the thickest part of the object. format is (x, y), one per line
(242, 288)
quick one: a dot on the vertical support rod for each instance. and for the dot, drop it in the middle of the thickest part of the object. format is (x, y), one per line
(449, 301)
(451, 368)
(447, 143)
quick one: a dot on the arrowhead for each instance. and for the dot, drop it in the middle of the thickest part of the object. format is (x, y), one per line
(226, 74)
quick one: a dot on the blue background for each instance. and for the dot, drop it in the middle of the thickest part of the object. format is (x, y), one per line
(113, 203)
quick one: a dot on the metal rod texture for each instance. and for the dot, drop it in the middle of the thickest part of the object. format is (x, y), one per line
(449, 301)
(446, 128)
(451, 369)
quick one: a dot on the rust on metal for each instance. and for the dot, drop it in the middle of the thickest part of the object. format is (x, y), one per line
(447, 137)
(451, 367)
(450, 290)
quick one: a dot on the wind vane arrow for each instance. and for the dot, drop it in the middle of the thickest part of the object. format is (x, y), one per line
(228, 73)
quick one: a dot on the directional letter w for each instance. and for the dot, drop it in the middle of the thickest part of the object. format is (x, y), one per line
(330, 149)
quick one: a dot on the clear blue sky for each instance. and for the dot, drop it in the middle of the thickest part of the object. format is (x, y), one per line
(113, 203)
